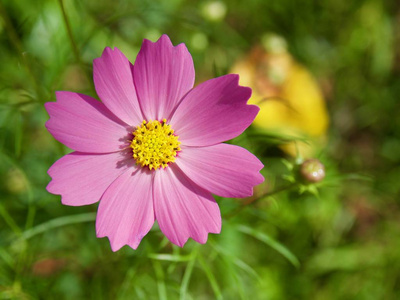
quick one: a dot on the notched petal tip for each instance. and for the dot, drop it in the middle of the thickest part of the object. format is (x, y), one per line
(50, 186)
(52, 189)
(204, 238)
(115, 249)
(113, 81)
(259, 177)
(164, 39)
(245, 90)
(214, 111)
(201, 240)
(60, 93)
(107, 55)
(107, 52)
(125, 213)
(84, 124)
(47, 124)
(178, 218)
(163, 74)
(183, 50)
(225, 170)
(206, 235)
(50, 108)
(252, 111)
(181, 244)
(255, 108)
(115, 245)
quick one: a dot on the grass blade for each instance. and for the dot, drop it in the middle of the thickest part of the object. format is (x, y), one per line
(211, 278)
(270, 242)
(188, 275)
(58, 222)
(162, 290)
(169, 257)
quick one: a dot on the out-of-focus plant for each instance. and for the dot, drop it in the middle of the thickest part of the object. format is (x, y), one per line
(291, 102)
(294, 239)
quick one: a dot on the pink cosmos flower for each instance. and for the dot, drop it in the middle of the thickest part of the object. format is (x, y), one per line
(152, 149)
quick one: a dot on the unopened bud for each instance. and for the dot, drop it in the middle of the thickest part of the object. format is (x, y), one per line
(312, 170)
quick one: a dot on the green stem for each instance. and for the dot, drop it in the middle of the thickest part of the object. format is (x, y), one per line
(31, 207)
(188, 274)
(162, 290)
(69, 32)
(9, 220)
(58, 222)
(17, 44)
(74, 46)
(262, 196)
(211, 278)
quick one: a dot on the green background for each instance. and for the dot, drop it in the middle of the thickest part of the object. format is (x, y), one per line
(342, 243)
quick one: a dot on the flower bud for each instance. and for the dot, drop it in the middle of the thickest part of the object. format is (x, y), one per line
(312, 170)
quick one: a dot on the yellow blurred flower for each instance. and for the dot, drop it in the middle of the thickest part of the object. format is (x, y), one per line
(290, 100)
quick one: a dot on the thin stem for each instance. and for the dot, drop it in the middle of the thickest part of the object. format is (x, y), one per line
(69, 32)
(74, 46)
(262, 196)
(9, 220)
(188, 274)
(162, 290)
(58, 222)
(31, 207)
(17, 44)
(211, 278)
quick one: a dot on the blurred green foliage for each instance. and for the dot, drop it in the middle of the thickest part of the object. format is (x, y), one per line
(339, 241)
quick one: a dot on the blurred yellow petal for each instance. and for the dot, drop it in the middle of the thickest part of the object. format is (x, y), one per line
(290, 100)
(307, 105)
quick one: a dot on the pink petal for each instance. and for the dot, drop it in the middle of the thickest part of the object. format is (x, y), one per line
(182, 208)
(85, 124)
(224, 170)
(113, 79)
(125, 213)
(213, 112)
(82, 178)
(163, 75)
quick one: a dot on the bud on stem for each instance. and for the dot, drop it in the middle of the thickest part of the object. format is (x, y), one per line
(312, 170)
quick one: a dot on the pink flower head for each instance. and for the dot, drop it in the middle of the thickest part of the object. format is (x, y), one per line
(152, 149)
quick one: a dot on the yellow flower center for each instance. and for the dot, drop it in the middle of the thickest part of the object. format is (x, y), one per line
(154, 144)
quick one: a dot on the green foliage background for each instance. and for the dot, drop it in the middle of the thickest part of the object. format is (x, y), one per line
(340, 244)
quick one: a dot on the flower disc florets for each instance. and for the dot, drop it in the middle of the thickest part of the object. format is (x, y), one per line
(154, 144)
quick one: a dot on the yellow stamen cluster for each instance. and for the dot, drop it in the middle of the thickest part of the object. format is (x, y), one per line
(154, 144)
